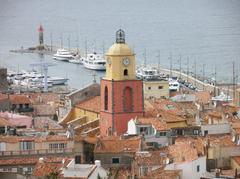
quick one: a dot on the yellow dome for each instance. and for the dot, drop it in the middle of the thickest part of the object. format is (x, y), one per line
(120, 49)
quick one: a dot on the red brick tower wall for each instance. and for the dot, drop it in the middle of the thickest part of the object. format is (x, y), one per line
(120, 111)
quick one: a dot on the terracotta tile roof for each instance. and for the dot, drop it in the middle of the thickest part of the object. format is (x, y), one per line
(92, 104)
(215, 114)
(44, 110)
(121, 173)
(49, 138)
(19, 161)
(46, 167)
(167, 110)
(165, 105)
(157, 123)
(151, 158)
(16, 119)
(186, 149)
(3, 96)
(19, 99)
(235, 125)
(114, 144)
(236, 159)
(163, 174)
(229, 173)
(43, 98)
(5, 122)
(203, 97)
(40, 123)
(224, 140)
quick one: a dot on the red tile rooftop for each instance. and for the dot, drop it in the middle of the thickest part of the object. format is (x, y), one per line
(5, 122)
(224, 140)
(203, 97)
(115, 144)
(163, 174)
(92, 104)
(151, 158)
(29, 160)
(19, 99)
(236, 159)
(186, 149)
(215, 114)
(167, 110)
(3, 96)
(19, 161)
(157, 123)
(15, 139)
(43, 169)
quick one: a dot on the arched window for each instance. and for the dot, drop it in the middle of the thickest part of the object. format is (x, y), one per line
(128, 99)
(106, 98)
(125, 72)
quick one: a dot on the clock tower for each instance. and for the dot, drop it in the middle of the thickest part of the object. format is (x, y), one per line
(121, 92)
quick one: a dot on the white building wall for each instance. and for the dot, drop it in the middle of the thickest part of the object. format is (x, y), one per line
(216, 128)
(132, 129)
(189, 169)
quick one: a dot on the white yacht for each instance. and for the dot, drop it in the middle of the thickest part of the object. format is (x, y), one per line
(94, 61)
(63, 55)
(147, 73)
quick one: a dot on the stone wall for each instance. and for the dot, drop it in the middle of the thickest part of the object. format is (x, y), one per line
(84, 93)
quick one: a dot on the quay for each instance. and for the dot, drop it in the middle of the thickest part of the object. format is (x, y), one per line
(216, 89)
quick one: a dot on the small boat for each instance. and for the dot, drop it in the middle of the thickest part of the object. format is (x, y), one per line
(58, 80)
(63, 55)
(94, 61)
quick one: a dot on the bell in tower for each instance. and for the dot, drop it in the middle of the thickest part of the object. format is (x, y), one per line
(120, 36)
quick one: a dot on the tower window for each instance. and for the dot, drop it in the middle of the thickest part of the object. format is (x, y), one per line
(125, 73)
(128, 99)
(106, 98)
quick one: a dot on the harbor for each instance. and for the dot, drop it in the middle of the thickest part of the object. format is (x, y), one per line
(120, 89)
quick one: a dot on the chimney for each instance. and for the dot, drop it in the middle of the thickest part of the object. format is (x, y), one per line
(41, 160)
(218, 171)
(98, 163)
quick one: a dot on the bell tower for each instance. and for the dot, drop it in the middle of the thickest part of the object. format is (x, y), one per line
(121, 92)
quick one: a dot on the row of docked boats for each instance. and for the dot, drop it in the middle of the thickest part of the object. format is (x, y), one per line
(33, 79)
(151, 74)
(93, 61)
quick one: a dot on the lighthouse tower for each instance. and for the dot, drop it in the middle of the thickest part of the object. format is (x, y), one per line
(121, 92)
(40, 34)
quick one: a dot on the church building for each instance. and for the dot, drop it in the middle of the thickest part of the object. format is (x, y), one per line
(121, 93)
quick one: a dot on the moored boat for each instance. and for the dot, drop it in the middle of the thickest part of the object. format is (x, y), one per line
(63, 55)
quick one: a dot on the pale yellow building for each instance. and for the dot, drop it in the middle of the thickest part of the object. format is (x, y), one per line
(25, 145)
(156, 89)
(84, 116)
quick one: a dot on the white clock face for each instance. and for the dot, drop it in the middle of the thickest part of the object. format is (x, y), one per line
(126, 61)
